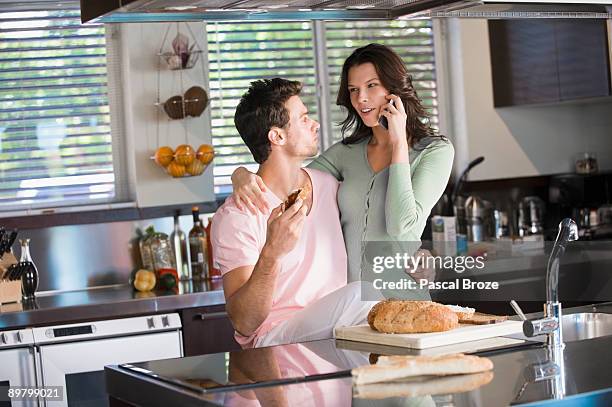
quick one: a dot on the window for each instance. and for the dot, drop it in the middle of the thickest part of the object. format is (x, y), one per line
(240, 53)
(55, 139)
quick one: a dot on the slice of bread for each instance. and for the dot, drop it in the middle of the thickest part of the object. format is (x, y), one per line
(292, 198)
(479, 318)
(301, 193)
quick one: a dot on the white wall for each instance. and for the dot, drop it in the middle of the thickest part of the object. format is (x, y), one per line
(147, 127)
(516, 141)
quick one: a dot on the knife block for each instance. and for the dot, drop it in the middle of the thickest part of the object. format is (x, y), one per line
(10, 291)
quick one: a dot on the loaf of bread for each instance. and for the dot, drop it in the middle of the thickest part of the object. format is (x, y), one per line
(395, 316)
(423, 386)
(390, 368)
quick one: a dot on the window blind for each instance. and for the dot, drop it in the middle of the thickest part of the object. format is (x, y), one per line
(55, 140)
(412, 40)
(240, 53)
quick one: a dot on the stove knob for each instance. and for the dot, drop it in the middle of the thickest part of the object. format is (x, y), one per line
(20, 337)
(3, 338)
(165, 321)
(150, 323)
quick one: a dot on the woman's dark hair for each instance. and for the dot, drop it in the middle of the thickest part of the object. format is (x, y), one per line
(261, 108)
(395, 78)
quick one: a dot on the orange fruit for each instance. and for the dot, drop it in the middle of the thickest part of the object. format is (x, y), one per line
(164, 156)
(175, 169)
(196, 167)
(184, 154)
(205, 153)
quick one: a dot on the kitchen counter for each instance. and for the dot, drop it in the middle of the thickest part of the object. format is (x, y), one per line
(107, 303)
(289, 367)
(512, 382)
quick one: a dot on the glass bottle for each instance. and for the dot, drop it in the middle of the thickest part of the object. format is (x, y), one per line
(29, 278)
(197, 247)
(145, 249)
(181, 250)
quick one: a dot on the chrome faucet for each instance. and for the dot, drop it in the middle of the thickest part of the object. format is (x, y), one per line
(551, 323)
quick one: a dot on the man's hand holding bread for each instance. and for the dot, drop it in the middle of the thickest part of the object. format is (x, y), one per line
(284, 229)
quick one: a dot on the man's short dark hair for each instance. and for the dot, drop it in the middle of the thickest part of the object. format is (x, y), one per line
(261, 108)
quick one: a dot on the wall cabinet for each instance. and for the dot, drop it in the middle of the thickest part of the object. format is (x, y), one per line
(207, 330)
(547, 61)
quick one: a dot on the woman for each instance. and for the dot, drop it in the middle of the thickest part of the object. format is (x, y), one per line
(390, 178)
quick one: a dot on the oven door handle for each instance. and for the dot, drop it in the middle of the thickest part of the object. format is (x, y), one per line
(210, 315)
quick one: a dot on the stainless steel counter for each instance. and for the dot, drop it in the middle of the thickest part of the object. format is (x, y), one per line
(107, 303)
(585, 375)
(586, 364)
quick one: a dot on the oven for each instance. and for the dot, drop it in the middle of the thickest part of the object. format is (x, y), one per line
(73, 356)
(17, 363)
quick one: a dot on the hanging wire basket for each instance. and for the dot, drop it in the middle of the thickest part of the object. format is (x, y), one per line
(185, 60)
(184, 160)
(192, 104)
(185, 51)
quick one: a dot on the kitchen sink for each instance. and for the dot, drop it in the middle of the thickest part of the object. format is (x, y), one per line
(586, 325)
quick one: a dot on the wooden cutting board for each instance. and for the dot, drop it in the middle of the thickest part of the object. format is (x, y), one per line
(463, 333)
(480, 345)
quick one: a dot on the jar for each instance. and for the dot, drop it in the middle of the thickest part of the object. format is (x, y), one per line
(161, 252)
(144, 245)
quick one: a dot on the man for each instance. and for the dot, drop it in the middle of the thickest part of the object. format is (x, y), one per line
(284, 273)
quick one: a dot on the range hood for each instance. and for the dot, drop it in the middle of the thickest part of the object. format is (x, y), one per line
(273, 10)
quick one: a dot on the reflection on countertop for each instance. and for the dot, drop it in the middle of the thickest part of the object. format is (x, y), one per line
(192, 380)
(108, 302)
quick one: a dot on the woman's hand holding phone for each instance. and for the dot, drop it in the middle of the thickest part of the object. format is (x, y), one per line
(395, 117)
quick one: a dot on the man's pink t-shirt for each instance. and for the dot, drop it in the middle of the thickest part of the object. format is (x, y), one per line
(314, 268)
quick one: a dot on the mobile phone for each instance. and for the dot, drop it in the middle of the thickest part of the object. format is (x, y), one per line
(383, 120)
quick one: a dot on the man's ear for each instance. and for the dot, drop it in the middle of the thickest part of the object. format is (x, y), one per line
(277, 136)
